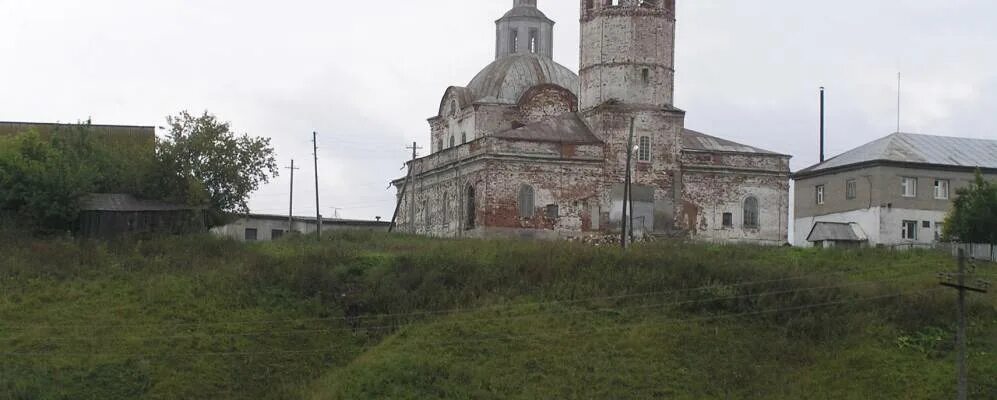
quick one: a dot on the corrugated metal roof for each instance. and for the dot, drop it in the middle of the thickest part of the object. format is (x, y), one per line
(920, 149)
(838, 232)
(126, 203)
(700, 141)
(566, 128)
(505, 80)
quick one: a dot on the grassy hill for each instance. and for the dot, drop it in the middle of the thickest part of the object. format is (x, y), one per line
(375, 316)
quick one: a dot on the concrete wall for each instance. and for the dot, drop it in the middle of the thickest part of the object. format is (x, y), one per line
(879, 186)
(883, 225)
(265, 227)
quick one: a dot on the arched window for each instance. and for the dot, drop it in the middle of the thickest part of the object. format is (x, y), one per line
(526, 200)
(453, 107)
(751, 212)
(470, 213)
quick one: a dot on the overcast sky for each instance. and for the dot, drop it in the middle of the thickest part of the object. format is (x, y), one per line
(365, 75)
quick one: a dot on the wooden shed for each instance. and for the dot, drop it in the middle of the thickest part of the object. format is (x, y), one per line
(111, 215)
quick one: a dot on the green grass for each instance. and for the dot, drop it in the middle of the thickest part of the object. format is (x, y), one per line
(363, 315)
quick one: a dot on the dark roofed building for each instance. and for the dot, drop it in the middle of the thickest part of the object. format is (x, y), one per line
(106, 215)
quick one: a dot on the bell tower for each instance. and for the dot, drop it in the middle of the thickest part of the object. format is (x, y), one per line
(627, 52)
(524, 30)
(627, 81)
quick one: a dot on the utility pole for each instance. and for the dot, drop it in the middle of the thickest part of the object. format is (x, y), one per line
(318, 212)
(411, 215)
(821, 124)
(626, 187)
(290, 208)
(958, 282)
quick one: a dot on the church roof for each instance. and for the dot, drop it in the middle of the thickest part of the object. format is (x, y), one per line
(505, 80)
(693, 140)
(566, 128)
(918, 149)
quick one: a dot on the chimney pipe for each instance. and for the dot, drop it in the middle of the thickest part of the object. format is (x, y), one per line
(821, 124)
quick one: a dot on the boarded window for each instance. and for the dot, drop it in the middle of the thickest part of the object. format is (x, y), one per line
(526, 201)
(251, 234)
(751, 212)
(553, 212)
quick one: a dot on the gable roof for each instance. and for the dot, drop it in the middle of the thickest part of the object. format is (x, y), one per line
(918, 149)
(836, 231)
(566, 128)
(693, 140)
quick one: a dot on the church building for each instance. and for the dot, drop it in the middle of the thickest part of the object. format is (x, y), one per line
(531, 149)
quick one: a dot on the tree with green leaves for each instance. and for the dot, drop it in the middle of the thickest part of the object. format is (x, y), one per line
(973, 218)
(202, 162)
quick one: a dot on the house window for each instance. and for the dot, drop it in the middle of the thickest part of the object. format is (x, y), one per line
(728, 220)
(941, 189)
(251, 234)
(851, 189)
(276, 234)
(909, 230)
(526, 200)
(926, 224)
(751, 212)
(644, 149)
(909, 187)
(939, 230)
(820, 194)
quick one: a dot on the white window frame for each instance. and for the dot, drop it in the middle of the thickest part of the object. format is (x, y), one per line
(908, 186)
(942, 188)
(644, 149)
(819, 193)
(906, 232)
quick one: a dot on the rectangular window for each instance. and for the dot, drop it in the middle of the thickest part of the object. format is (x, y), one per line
(909, 230)
(926, 224)
(820, 194)
(644, 149)
(939, 230)
(645, 75)
(851, 189)
(941, 189)
(728, 220)
(909, 187)
(552, 211)
(276, 234)
(250, 235)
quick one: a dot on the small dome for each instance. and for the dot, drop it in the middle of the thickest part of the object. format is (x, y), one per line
(508, 78)
(525, 12)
